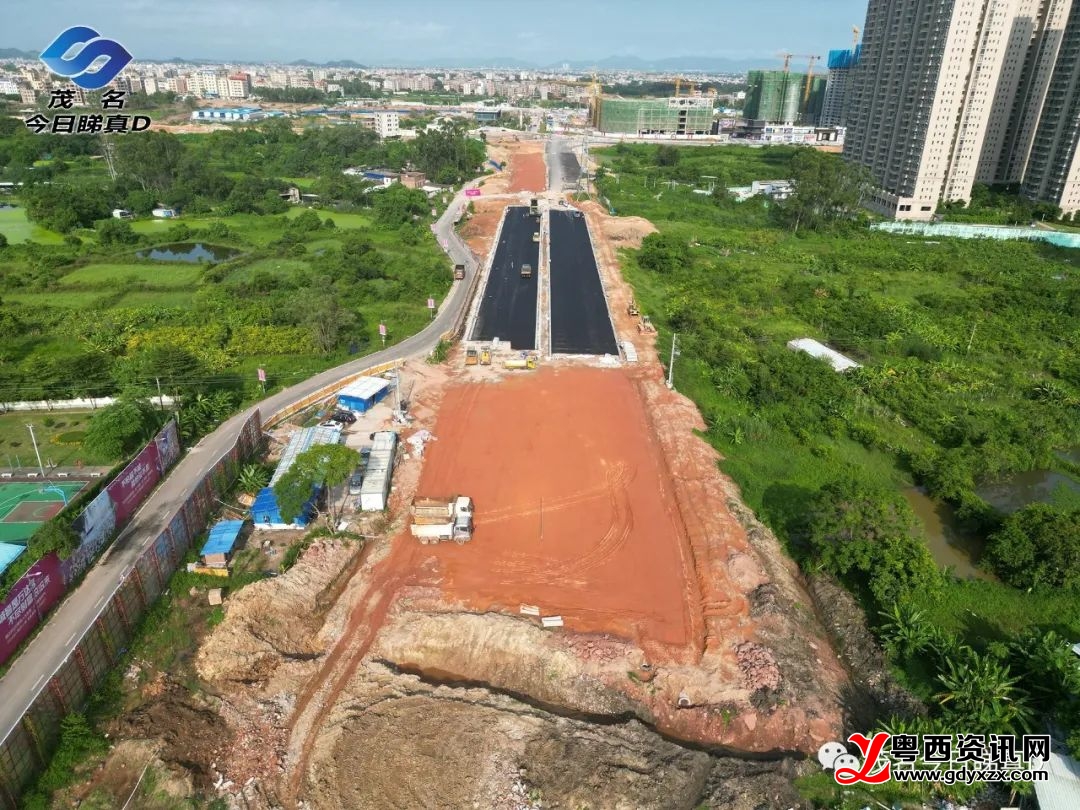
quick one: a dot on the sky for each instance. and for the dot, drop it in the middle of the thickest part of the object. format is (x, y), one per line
(547, 32)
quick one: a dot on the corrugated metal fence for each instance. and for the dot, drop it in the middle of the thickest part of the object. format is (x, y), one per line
(26, 750)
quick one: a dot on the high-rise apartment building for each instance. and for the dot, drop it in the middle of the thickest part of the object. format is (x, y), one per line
(834, 108)
(1052, 171)
(944, 93)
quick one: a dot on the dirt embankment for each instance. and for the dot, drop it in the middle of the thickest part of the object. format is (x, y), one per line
(402, 742)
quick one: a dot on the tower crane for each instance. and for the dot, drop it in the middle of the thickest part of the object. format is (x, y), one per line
(679, 82)
(809, 78)
(855, 30)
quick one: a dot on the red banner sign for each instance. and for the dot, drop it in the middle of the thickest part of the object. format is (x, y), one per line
(129, 488)
(29, 599)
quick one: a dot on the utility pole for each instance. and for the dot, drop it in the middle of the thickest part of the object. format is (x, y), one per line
(671, 363)
(33, 440)
(971, 337)
(160, 399)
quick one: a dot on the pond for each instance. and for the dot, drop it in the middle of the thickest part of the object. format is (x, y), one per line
(191, 252)
(1019, 490)
(949, 546)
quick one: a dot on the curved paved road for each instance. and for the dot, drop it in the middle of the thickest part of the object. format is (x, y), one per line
(31, 671)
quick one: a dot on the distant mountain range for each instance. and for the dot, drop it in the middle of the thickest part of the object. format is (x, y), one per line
(694, 64)
(668, 64)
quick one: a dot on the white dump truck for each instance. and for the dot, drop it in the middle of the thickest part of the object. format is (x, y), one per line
(436, 520)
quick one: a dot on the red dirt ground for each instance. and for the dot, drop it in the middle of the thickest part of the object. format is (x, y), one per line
(33, 511)
(574, 509)
(528, 172)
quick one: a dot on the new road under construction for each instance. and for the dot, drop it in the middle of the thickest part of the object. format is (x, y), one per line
(543, 290)
(560, 574)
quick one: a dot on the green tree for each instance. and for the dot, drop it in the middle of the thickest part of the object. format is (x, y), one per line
(114, 231)
(663, 253)
(330, 323)
(666, 156)
(118, 429)
(1038, 547)
(397, 205)
(66, 207)
(853, 527)
(826, 190)
(324, 466)
(54, 535)
(3, 241)
(152, 160)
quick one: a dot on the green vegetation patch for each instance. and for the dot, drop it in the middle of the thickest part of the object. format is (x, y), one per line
(174, 274)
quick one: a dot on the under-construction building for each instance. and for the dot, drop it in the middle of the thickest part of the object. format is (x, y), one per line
(834, 106)
(681, 115)
(774, 96)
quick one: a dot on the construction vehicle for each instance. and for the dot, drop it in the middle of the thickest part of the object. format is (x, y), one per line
(632, 309)
(459, 272)
(485, 357)
(526, 270)
(646, 325)
(528, 362)
(471, 357)
(439, 519)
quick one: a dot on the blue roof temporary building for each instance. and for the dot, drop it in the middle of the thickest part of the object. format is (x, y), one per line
(363, 393)
(9, 552)
(264, 511)
(222, 538)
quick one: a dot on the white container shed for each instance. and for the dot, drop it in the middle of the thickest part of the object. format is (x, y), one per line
(375, 489)
(823, 352)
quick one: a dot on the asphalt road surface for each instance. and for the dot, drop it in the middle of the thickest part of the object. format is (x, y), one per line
(30, 672)
(580, 323)
(564, 170)
(508, 308)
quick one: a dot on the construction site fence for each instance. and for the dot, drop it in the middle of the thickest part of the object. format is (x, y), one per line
(26, 750)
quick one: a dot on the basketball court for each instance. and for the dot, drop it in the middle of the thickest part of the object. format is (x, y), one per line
(25, 506)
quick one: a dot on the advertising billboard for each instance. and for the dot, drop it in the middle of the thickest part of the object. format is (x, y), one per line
(131, 486)
(29, 599)
(95, 526)
(168, 445)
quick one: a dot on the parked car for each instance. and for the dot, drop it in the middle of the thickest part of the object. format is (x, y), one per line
(356, 480)
(348, 417)
(331, 423)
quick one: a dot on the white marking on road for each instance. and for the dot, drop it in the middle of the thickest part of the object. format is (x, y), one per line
(37, 683)
(71, 638)
(100, 601)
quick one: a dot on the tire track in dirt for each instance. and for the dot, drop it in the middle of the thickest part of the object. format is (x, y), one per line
(322, 691)
(622, 523)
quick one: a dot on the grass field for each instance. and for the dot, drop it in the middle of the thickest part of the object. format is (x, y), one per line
(25, 506)
(283, 268)
(174, 275)
(74, 299)
(155, 298)
(15, 226)
(15, 447)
